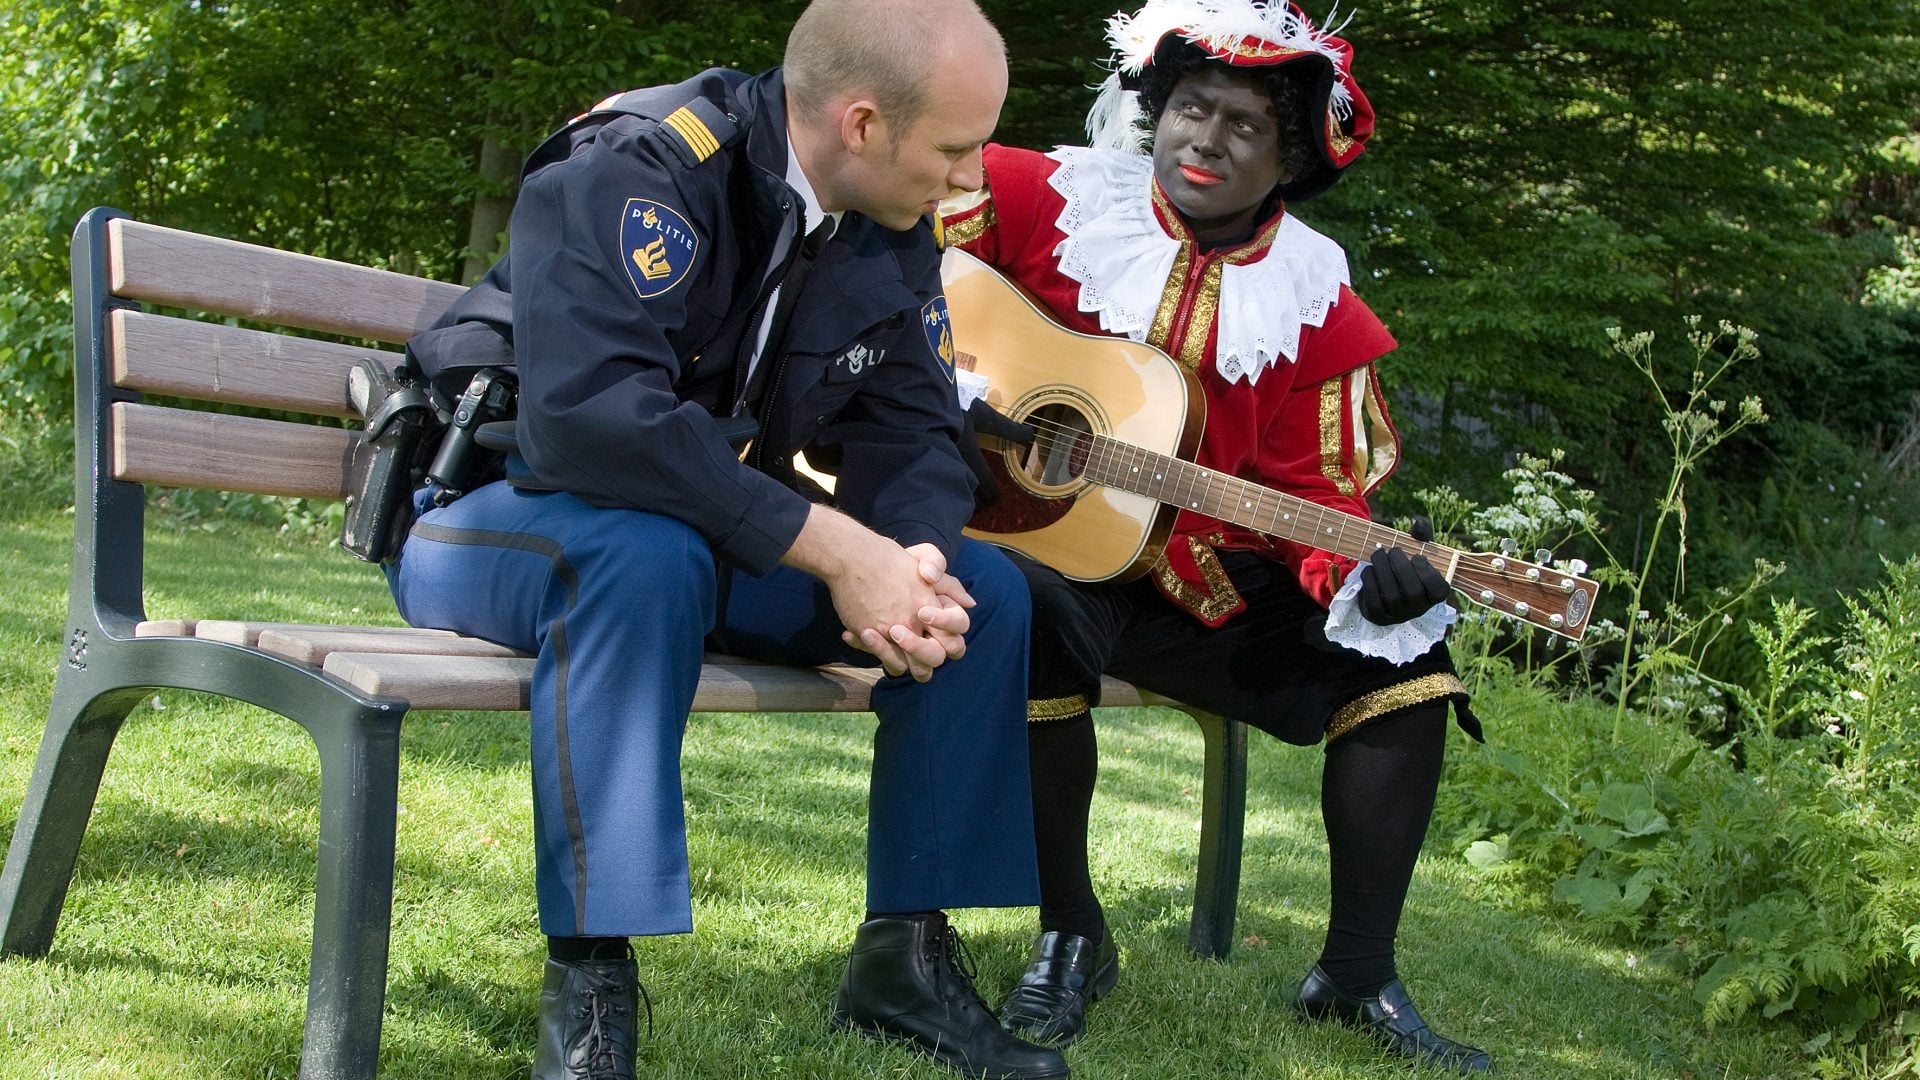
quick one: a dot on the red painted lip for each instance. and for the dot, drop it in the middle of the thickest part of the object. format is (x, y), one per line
(1197, 175)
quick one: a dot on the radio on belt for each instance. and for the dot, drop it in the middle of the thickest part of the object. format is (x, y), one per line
(490, 396)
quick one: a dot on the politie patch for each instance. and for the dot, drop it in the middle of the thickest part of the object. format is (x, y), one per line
(659, 245)
(939, 328)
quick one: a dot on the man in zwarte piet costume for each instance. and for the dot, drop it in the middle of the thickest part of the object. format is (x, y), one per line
(1176, 228)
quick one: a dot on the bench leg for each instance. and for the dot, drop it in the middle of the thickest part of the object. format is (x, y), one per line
(1223, 807)
(353, 901)
(81, 725)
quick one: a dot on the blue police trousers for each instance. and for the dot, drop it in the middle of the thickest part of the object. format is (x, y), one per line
(618, 605)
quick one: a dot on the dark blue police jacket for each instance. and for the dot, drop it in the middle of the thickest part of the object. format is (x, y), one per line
(646, 238)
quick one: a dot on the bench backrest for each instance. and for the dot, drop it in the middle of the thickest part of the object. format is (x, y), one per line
(123, 352)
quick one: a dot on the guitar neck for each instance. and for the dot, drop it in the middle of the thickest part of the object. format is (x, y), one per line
(1226, 498)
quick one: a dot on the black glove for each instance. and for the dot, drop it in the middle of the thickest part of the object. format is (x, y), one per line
(1399, 587)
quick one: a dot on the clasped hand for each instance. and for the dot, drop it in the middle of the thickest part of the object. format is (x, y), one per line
(935, 626)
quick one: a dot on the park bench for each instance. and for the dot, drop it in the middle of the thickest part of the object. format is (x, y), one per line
(348, 686)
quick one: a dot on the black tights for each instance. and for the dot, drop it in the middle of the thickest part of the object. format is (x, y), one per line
(1376, 797)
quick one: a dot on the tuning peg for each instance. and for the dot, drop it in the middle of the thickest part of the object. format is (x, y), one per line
(1577, 566)
(1543, 556)
(1509, 546)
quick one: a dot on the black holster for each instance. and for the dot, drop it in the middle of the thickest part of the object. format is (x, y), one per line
(389, 461)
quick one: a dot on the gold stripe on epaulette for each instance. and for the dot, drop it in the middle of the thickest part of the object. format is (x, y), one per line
(698, 136)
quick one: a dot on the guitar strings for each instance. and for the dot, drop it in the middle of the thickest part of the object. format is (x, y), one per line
(1054, 437)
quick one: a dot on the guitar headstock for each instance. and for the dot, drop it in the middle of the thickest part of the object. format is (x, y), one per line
(1558, 601)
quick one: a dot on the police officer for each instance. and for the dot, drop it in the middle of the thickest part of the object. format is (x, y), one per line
(686, 260)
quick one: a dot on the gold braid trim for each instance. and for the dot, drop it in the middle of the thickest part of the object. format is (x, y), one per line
(1206, 307)
(1246, 252)
(1332, 405)
(1206, 302)
(1058, 708)
(1224, 596)
(1337, 140)
(1381, 702)
(973, 228)
(1170, 300)
(1176, 278)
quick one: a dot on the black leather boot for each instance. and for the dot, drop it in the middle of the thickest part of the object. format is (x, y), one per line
(909, 979)
(1391, 1020)
(1068, 973)
(587, 1021)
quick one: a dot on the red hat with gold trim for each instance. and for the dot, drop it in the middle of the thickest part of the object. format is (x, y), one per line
(1243, 34)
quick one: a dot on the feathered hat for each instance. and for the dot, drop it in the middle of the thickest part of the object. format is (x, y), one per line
(1242, 34)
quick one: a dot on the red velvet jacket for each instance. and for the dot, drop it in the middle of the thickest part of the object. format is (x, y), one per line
(1316, 427)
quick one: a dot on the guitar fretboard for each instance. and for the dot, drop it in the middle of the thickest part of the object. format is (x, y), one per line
(1217, 495)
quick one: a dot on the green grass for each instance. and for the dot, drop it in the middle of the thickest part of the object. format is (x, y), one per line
(182, 950)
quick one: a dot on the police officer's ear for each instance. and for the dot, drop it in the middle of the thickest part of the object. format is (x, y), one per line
(862, 128)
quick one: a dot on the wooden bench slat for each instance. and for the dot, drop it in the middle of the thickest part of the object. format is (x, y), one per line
(484, 683)
(226, 277)
(727, 684)
(314, 646)
(480, 683)
(216, 362)
(238, 632)
(182, 448)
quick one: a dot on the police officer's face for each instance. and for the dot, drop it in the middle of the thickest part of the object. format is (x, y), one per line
(905, 174)
(1216, 150)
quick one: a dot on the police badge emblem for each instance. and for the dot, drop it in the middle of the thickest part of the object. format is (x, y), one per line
(939, 329)
(659, 245)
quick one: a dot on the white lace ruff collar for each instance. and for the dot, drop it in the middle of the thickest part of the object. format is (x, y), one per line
(1121, 256)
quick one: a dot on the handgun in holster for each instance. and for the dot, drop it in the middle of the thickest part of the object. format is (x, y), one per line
(399, 416)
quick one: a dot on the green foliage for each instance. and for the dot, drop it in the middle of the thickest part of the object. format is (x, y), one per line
(1776, 871)
(1757, 836)
(351, 131)
(1543, 171)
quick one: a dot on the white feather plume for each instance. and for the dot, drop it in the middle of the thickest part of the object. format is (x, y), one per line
(1116, 121)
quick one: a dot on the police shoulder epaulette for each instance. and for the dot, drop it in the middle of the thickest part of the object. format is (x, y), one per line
(698, 130)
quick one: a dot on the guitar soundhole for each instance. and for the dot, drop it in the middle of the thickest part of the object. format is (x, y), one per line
(1058, 456)
(1032, 483)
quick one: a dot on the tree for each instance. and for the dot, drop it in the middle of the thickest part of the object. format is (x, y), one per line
(1545, 168)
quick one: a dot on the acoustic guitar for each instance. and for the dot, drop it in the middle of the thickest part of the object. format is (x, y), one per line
(1095, 493)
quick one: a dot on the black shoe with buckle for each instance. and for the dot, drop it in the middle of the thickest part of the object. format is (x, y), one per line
(1068, 973)
(910, 980)
(588, 1029)
(1390, 1018)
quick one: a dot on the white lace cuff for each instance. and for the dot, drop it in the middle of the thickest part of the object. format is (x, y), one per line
(1398, 643)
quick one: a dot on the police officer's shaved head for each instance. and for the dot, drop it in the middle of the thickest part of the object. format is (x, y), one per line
(880, 49)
